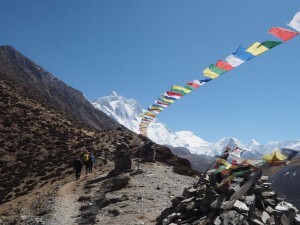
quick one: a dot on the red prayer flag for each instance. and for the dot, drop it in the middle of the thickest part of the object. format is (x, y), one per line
(193, 84)
(171, 93)
(283, 34)
(223, 65)
(162, 103)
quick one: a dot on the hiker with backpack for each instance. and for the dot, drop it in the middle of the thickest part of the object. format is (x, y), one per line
(77, 167)
(86, 161)
(91, 162)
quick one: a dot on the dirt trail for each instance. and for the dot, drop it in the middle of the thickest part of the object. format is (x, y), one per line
(66, 204)
(141, 202)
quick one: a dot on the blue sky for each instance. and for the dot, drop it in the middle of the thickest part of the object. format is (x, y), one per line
(140, 48)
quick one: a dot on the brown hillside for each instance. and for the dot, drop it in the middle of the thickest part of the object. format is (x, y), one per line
(41, 132)
(36, 83)
(37, 144)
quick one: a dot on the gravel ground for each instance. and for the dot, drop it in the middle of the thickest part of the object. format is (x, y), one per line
(140, 202)
(146, 196)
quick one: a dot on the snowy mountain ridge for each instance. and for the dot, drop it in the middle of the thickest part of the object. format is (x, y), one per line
(127, 111)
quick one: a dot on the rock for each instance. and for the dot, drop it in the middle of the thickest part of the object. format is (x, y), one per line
(278, 213)
(170, 218)
(269, 202)
(267, 184)
(231, 217)
(175, 201)
(187, 200)
(284, 206)
(190, 192)
(256, 222)
(210, 196)
(255, 215)
(217, 204)
(284, 220)
(202, 189)
(264, 178)
(271, 220)
(189, 206)
(297, 219)
(256, 207)
(217, 221)
(250, 200)
(267, 194)
(259, 189)
(204, 208)
(240, 206)
(270, 210)
(265, 216)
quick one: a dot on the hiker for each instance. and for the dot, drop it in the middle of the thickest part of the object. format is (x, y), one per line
(91, 162)
(86, 161)
(77, 167)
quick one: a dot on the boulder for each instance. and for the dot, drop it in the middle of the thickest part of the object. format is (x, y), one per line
(240, 207)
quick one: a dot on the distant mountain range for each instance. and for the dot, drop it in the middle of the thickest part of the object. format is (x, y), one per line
(127, 111)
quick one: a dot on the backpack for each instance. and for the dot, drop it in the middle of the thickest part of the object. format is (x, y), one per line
(92, 159)
(86, 157)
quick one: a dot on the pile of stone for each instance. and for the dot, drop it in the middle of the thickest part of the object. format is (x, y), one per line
(146, 152)
(202, 204)
(122, 159)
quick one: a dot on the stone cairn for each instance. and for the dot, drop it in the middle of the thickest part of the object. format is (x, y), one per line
(122, 159)
(201, 205)
(147, 152)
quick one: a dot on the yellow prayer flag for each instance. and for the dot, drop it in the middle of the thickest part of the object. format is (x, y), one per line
(257, 49)
(179, 88)
(209, 73)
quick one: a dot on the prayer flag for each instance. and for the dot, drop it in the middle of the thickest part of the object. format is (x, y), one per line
(283, 34)
(213, 71)
(242, 54)
(224, 65)
(234, 61)
(295, 22)
(270, 44)
(179, 89)
(257, 49)
(194, 83)
(171, 93)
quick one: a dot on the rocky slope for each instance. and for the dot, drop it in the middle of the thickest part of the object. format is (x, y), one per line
(38, 144)
(33, 81)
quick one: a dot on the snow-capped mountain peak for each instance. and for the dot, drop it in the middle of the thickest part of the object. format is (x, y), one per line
(127, 111)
